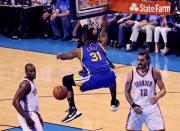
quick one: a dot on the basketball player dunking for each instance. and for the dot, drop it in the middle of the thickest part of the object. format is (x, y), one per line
(98, 73)
(140, 92)
(26, 102)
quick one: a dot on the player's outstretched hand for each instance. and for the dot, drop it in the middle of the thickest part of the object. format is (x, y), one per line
(30, 122)
(154, 99)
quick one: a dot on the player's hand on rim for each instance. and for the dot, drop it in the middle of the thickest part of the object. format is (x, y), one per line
(29, 122)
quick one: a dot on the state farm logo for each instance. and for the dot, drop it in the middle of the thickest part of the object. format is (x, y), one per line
(149, 8)
(133, 7)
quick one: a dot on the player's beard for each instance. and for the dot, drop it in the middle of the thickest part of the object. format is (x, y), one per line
(141, 66)
(32, 77)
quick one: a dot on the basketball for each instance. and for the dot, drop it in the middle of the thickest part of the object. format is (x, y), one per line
(60, 92)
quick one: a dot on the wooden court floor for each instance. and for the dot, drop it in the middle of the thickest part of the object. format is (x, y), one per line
(95, 105)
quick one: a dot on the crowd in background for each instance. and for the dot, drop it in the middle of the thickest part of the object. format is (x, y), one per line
(154, 33)
(157, 33)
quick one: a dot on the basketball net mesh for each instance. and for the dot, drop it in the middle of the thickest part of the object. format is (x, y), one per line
(94, 22)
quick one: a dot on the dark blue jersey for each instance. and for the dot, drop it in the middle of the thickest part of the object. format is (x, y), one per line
(94, 58)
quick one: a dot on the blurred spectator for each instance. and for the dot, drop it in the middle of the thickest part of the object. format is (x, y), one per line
(40, 2)
(36, 2)
(177, 43)
(45, 18)
(112, 28)
(61, 15)
(166, 25)
(46, 2)
(77, 30)
(173, 40)
(125, 28)
(147, 25)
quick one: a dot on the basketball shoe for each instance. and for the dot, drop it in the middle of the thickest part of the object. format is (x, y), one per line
(115, 105)
(73, 114)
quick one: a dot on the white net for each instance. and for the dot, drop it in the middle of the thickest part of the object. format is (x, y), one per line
(94, 22)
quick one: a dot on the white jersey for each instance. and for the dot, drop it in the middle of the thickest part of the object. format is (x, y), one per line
(143, 87)
(30, 102)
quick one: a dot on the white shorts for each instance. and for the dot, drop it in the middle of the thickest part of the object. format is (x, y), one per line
(36, 120)
(151, 116)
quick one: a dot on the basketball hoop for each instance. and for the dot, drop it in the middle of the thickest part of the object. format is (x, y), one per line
(94, 22)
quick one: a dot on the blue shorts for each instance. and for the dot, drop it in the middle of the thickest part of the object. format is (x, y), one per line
(97, 80)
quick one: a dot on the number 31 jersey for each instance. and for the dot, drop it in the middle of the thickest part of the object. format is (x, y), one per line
(93, 58)
(143, 87)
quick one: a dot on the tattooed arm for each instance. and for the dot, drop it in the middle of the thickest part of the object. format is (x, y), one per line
(128, 96)
(128, 89)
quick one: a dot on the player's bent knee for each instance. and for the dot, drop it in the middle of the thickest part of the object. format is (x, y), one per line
(68, 82)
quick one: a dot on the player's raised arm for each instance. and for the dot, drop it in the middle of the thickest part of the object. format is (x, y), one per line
(75, 53)
(103, 38)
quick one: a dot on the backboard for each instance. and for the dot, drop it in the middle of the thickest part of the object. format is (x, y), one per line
(87, 8)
